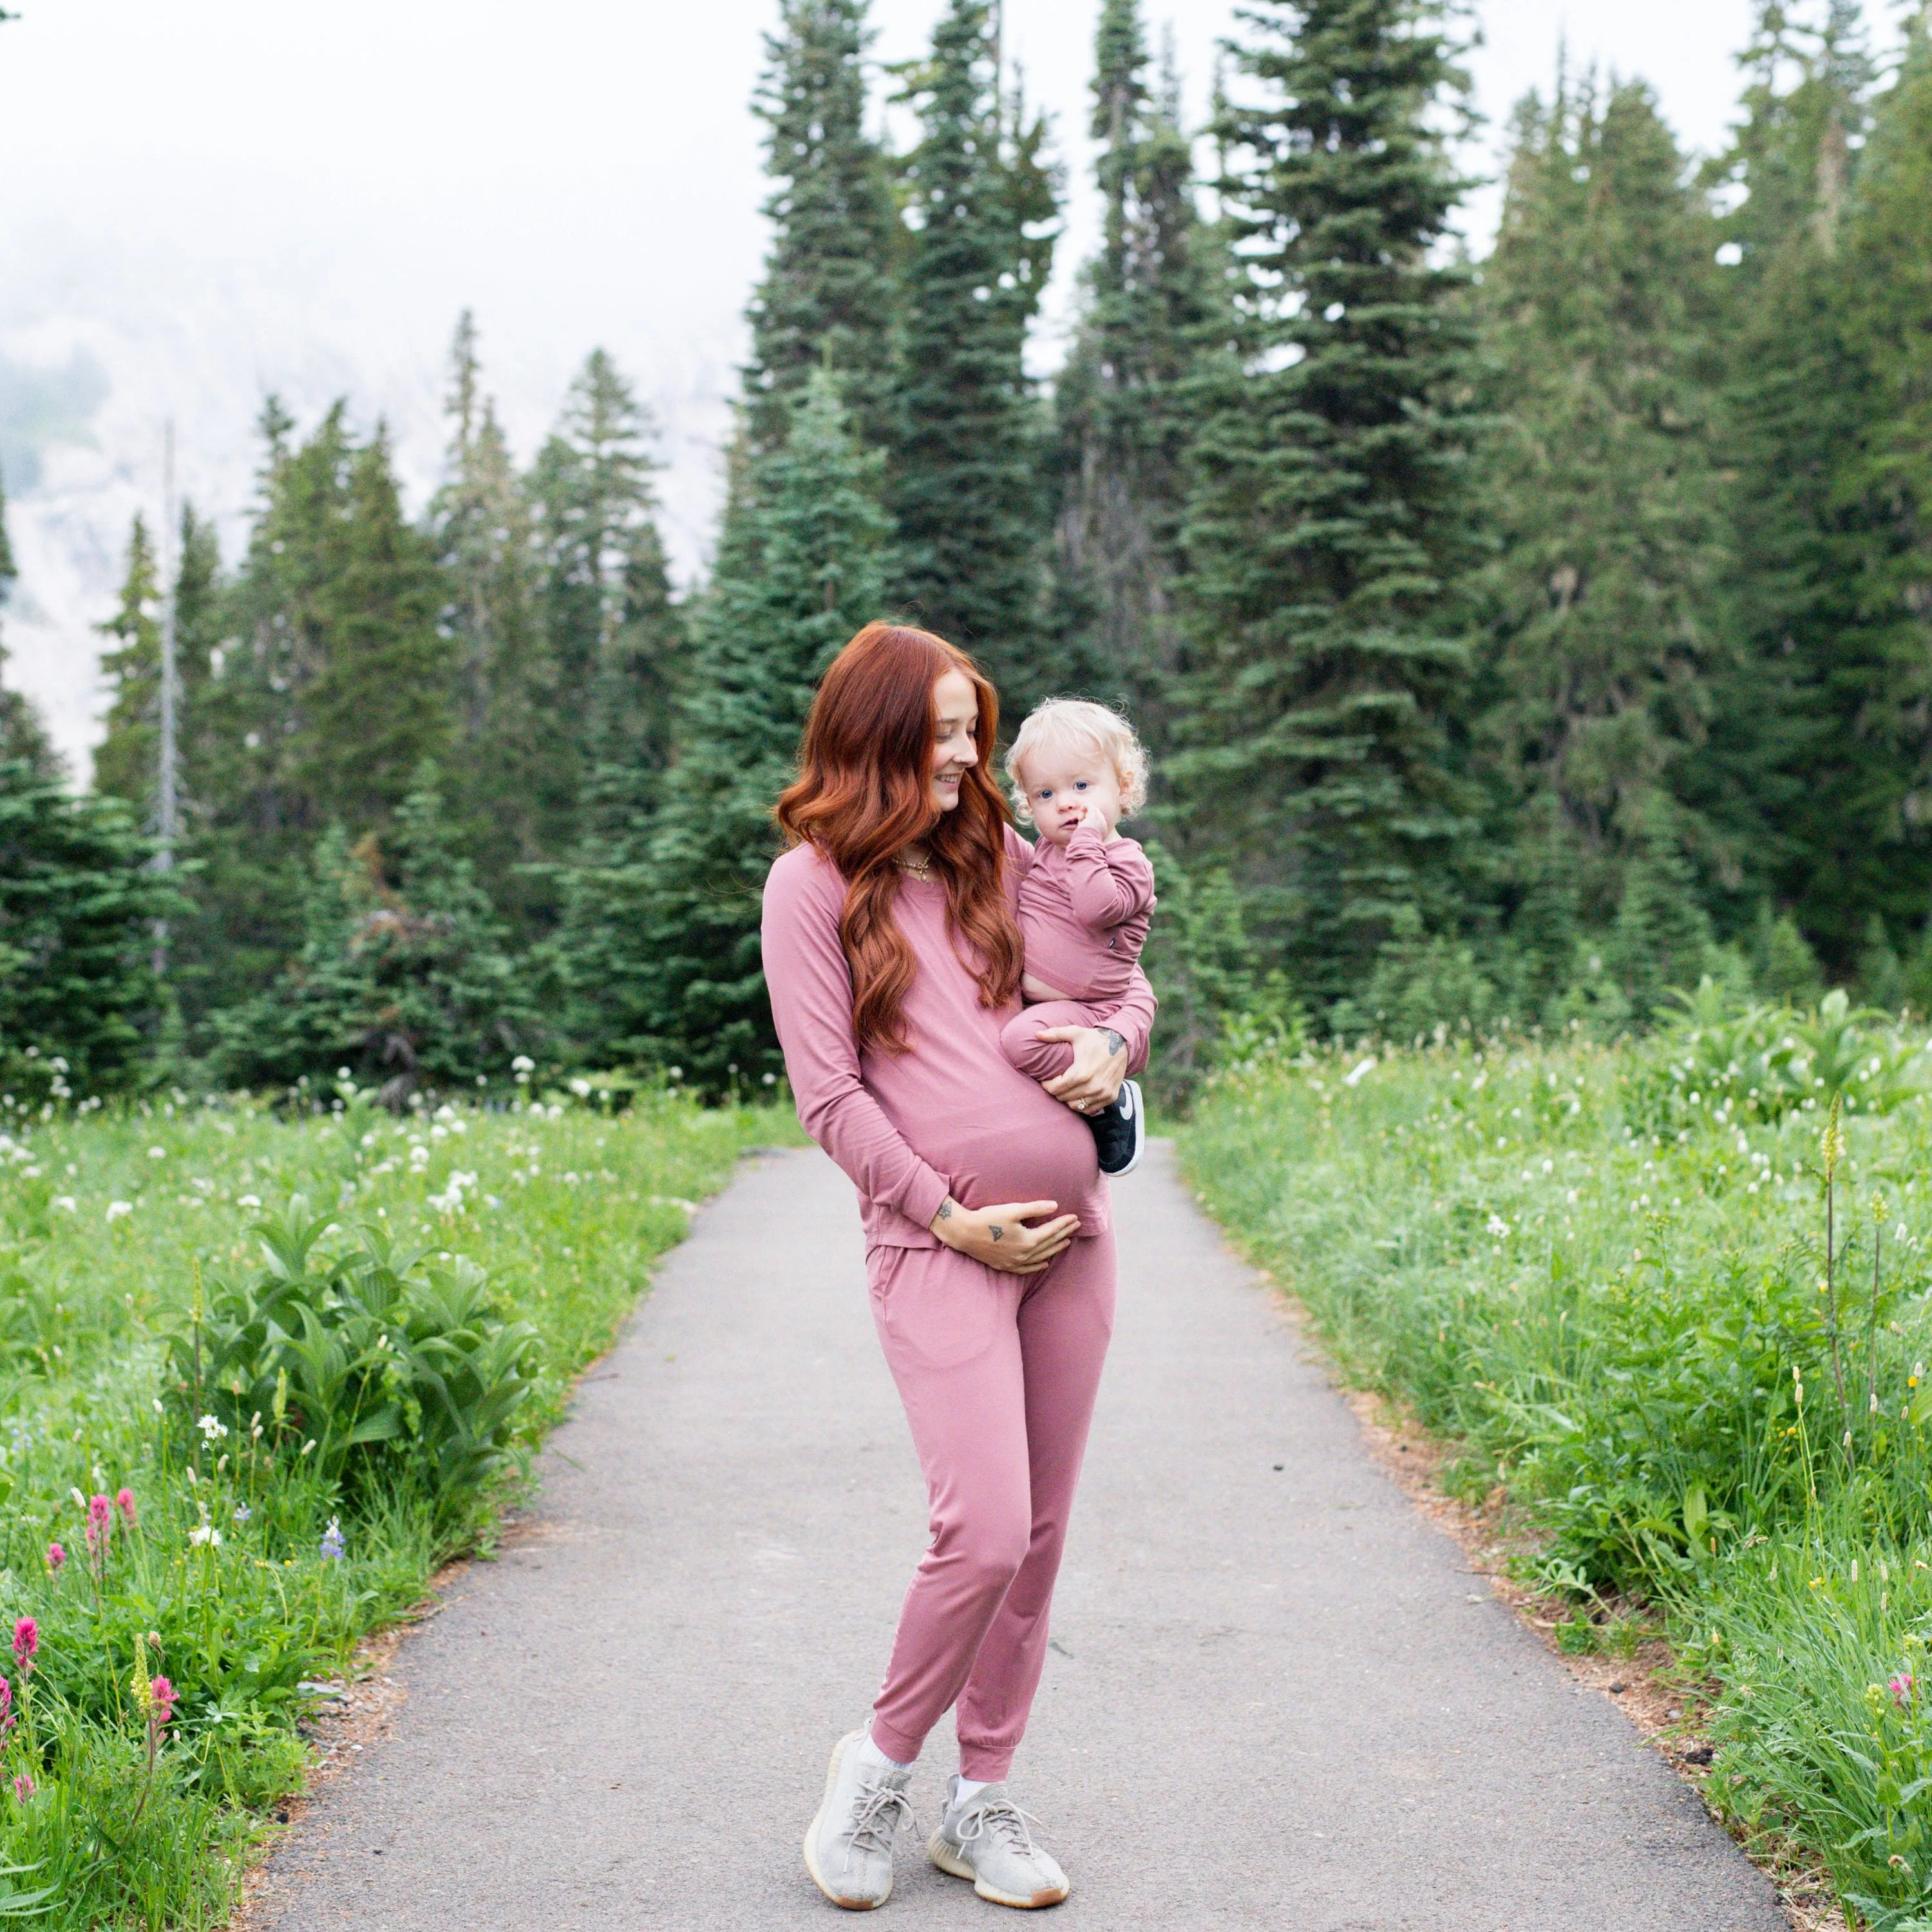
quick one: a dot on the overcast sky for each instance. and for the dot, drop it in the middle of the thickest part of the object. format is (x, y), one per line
(204, 201)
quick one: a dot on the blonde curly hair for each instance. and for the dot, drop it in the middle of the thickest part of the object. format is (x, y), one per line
(1079, 724)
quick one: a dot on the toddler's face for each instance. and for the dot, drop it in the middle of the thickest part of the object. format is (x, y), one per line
(1066, 789)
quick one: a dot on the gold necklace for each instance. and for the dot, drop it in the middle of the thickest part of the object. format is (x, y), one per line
(920, 870)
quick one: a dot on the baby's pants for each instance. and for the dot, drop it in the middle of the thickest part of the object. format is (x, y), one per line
(998, 1373)
(1048, 1059)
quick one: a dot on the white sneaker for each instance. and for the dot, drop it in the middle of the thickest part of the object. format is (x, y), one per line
(987, 1840)
(848, 1849)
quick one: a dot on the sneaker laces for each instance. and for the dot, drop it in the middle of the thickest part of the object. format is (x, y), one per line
(880, 1812)
(1003, 1819)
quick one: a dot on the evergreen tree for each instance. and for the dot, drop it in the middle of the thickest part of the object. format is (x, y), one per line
(966, 483)
(1600, 638)
(662, 947)
(125, 762)
(77, 906)
(23, 738)
(828, 294)
(338, 685)
(516, 776)
(404, 974)
(1122, 414)
(1326, 517)
(1789, 768)
(612, 632)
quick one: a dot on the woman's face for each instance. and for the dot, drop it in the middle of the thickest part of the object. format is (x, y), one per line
(955, 735)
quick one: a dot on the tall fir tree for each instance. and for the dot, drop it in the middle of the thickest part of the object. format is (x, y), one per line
(126, 759)
(23, 737)
(338, 685)
(514, 789)
(1602, 637)
(662, 947)
(1327, 518)
(1788, 769)
(966, 480)
(1120, 403)
(829, 295)
(613, 633)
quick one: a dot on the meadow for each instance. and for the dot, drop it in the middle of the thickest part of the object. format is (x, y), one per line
(264, 1370)
(1671, 1298)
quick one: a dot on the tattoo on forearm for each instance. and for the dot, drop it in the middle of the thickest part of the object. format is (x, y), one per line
(999, 1233)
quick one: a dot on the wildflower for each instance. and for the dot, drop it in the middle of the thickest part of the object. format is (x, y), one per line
(202, 1534)
(331, 1541)
(67, 1205)
(23, 1787)
(6, 1707)
(242, 1512)
(100, 1524)
(115, 1209)
(162, 1698)
(157, 1153)
(56, 1556)
(247, 1200)
(125, 1502)
(1900, 1688)
(26, 1641)
(212, 1427)
(1498, 1227)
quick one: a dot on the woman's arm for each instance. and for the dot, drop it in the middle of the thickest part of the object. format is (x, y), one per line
(811, 989)
(1103, 1056)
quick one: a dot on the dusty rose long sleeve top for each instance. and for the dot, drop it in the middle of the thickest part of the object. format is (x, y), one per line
(949, 1116)
(1084, 909)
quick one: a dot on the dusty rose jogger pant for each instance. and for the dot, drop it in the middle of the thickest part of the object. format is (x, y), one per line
(1047, 1059)
(998, 1373)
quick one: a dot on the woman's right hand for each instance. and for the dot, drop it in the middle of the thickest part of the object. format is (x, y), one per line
(999, 1236)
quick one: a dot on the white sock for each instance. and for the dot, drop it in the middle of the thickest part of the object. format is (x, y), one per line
(870, 1753)
(965, 1788)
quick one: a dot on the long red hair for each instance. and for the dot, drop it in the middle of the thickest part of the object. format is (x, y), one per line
(864, 793)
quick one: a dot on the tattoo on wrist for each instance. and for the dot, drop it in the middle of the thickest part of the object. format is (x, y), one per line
(945, 1210)
(1115, 1044)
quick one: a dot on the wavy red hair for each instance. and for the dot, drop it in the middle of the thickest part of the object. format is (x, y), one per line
(864, 793)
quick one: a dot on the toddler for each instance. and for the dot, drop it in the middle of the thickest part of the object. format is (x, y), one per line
(1077, 769)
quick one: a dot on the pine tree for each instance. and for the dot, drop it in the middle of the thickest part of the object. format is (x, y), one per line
(610, 628)
(1326, 518)
(23, 737)
(1601, 636)
(965, 482)
(77, 904)
(514, 789)
(662, 947)
(125, 761)
(1784, 766)
(1120, 403)
(404, 974)
(829, 295)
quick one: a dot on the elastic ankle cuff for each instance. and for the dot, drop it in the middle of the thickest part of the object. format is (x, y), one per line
(896, 1744)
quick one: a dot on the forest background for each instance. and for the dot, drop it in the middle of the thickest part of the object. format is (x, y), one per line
(1516, 640)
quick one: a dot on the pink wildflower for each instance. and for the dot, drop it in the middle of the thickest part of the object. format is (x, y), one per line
(1900, 1688)
(23, 1787)
(165, 1696)
(100, 1522)
(26, 1641)
(124, 1503)
(56, 1556)
(6, 1707)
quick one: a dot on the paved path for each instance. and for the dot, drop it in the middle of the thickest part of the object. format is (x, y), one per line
(1272, 1702)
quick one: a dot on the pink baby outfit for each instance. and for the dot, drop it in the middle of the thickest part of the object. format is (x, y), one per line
(997, 1372)
(1083, 912)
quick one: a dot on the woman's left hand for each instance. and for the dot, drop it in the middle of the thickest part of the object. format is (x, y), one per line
(1091, 1082)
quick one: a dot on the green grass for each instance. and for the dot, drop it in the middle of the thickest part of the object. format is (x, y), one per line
(111, 1224)
(1598, 1273)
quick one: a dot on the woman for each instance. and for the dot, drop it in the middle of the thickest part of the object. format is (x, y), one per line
(893, 960)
